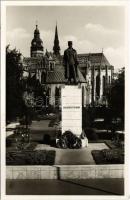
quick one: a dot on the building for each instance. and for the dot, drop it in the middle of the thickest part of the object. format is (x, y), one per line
(98, 72)
(94, 70)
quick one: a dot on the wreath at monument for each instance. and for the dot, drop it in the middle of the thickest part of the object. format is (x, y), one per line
(68, 140)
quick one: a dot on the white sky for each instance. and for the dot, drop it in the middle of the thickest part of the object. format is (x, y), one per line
(91, 28)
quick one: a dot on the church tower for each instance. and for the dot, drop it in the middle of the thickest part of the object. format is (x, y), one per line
(56, 47)
(36, 44)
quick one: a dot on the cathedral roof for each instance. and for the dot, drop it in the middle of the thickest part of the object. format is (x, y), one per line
(94, 58)
(33, 63)
(58, 76)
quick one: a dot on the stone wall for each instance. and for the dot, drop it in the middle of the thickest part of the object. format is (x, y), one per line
(65, 172)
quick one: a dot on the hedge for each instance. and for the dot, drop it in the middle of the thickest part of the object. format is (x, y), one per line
(38, 157)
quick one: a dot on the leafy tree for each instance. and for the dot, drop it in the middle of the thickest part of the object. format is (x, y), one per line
(116, 95)
(14, 92)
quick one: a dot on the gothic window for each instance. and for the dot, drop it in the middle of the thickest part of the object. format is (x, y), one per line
(98, 85)
(43, 77)
(109, 79)
(57, 94)
(60, 91)
(83, 95)
(48, 94)
(104, 85)
(51, 66)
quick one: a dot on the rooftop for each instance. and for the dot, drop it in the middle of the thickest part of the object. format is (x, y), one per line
(94, 58)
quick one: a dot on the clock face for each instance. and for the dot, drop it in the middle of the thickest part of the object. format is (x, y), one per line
(34, 43)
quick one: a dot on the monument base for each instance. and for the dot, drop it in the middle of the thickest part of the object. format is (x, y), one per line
(71, 98)
(72, 135)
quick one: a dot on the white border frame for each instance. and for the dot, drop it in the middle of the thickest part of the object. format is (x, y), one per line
(125, 3)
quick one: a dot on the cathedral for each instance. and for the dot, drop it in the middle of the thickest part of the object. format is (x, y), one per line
(94, 71)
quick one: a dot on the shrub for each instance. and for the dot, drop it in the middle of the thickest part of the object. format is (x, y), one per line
(41, 157)
(108, 156)
(91, 134)
(46, 139)
(8, 142)
(113, 155)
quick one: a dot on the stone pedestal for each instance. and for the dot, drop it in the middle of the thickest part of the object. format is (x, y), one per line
(71, 101)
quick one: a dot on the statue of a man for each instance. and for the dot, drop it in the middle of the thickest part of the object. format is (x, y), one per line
(70, 62)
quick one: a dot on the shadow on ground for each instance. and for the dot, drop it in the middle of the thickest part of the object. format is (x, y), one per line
(65, 187)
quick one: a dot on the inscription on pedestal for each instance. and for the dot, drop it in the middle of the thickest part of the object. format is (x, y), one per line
(71, 97)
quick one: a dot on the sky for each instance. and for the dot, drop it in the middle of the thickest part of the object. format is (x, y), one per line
(91, 28)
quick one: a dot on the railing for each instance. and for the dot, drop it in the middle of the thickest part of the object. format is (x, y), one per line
(41, 102)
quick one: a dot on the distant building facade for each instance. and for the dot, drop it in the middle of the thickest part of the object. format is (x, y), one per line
(94, 71)
(99, 75)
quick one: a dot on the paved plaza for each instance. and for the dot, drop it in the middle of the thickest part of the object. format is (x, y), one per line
(64, 156)
(111, 186)
(66, 187)
(74, 156)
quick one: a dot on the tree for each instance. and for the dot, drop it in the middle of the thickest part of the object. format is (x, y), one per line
(14, 100)
(116, 95)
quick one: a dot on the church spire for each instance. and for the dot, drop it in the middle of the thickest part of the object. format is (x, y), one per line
(56, 47)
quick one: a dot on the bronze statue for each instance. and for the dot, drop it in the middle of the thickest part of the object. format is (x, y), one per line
(70, 62)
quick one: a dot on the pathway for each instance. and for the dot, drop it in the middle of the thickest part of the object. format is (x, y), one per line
(74, 156)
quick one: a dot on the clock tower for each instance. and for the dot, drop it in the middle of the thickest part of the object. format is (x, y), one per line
(36, 44)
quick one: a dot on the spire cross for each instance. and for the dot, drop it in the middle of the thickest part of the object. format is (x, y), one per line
(36, 23)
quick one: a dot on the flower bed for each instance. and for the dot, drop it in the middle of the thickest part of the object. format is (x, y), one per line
(108, 156)
(40, 157)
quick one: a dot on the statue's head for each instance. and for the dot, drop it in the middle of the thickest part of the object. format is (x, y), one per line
(70, 43)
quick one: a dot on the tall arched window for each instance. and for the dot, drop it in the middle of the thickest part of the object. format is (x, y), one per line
(51, 66)
(104, 84)
(109, 79)
(48, 94)
(57, 94)
(43, 77)
(98, 85)
(82, 95)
